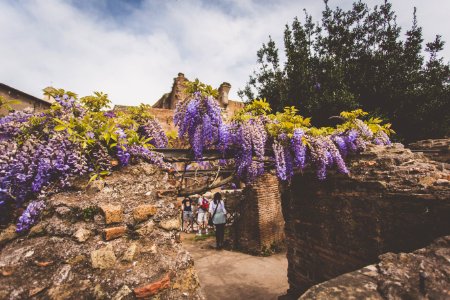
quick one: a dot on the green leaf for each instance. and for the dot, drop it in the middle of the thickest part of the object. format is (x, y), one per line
(60, 127)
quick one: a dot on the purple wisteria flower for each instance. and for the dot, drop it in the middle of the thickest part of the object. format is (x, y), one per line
(30, 216)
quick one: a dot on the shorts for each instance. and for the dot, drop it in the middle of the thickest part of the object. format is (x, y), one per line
(202, 217)
(188, 216)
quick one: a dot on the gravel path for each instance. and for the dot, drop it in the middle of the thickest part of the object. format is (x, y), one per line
(234, 275)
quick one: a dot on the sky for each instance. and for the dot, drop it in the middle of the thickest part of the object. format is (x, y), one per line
(133, 49)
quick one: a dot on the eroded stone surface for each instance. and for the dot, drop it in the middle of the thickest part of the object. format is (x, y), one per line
(393, 200)
(113, 213)
(423, 274)
(60, 263)
(143, 212)
(103, 258)
(170, 224)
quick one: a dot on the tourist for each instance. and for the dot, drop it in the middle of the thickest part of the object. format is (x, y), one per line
(218, 215)
(202, 213)
(186, 206)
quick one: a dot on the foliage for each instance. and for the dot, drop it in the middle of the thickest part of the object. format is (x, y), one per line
(44, 151)
(357, 58)
(196, 86)
(296, 144)
(6, 104)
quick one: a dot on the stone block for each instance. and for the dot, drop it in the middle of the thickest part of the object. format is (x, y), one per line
(113, 213)
(146, 229)
(103, 258)
(114, 232)
(8, 234)
(170, 224)
(82, 235)
(122, 293)
(143, 212)
(130, 253)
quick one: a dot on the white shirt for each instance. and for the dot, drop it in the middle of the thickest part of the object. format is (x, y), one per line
(212, 207)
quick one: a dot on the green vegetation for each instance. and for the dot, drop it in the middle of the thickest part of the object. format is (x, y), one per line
(357, 58)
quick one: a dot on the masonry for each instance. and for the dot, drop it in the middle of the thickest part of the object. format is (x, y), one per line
(261, 224)
(394, 200)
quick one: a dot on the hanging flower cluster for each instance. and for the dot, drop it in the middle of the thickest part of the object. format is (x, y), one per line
(249, 140)
(199, 119)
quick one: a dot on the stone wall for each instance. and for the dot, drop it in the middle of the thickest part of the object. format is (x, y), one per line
(394, 200)
(423, 274)
(437, 149)
(116, 240)
(260, 224)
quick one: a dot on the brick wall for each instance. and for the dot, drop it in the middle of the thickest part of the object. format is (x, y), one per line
(394, 200)
(261, 222)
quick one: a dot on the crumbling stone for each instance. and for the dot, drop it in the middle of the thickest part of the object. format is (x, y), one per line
(103, 258)
(122, 293)
(422, 274)
(113, 213)
(143, 212)
(129, 254)
(82, 235)
(8, 234)
(146, 229)
(170, 224)
(390, 202)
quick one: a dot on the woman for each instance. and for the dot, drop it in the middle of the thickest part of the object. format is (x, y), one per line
(186, 206)
(218, 215)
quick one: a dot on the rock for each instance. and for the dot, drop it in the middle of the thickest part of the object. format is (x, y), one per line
(82, 235)
(37, 230)
(103, 258)
(170, 224)
(130, 253)
(442, 182)
(62, 274)
(113, 213)
(152, 288)
(114, 232)
(143, 212)
(96, 186)
(76, 260)
(422, 274)
(122, 293)
(99, 294)
(63, 211)
(146, 229)
(8, 234)
(74, 290)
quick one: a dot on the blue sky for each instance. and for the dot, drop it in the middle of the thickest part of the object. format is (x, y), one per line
(132, 50)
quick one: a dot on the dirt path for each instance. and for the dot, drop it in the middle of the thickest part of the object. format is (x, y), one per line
(234, 275)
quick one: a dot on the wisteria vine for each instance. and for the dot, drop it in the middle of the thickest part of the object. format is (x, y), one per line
(44, 151)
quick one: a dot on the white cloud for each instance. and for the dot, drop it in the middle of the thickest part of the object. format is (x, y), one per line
(134, 58)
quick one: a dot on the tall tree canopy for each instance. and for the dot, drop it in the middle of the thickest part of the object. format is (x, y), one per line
(357, 58)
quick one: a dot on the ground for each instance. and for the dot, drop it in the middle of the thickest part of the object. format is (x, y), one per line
(233, 275)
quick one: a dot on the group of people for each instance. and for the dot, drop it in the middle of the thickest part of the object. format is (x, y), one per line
(209, 212)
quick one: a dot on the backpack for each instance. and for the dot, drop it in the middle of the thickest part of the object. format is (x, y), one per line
(205, 204)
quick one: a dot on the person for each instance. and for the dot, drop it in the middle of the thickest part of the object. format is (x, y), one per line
(186, 205)
(202, 214)
(218, 215)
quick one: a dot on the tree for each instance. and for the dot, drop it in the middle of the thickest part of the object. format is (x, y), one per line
(357, 58)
